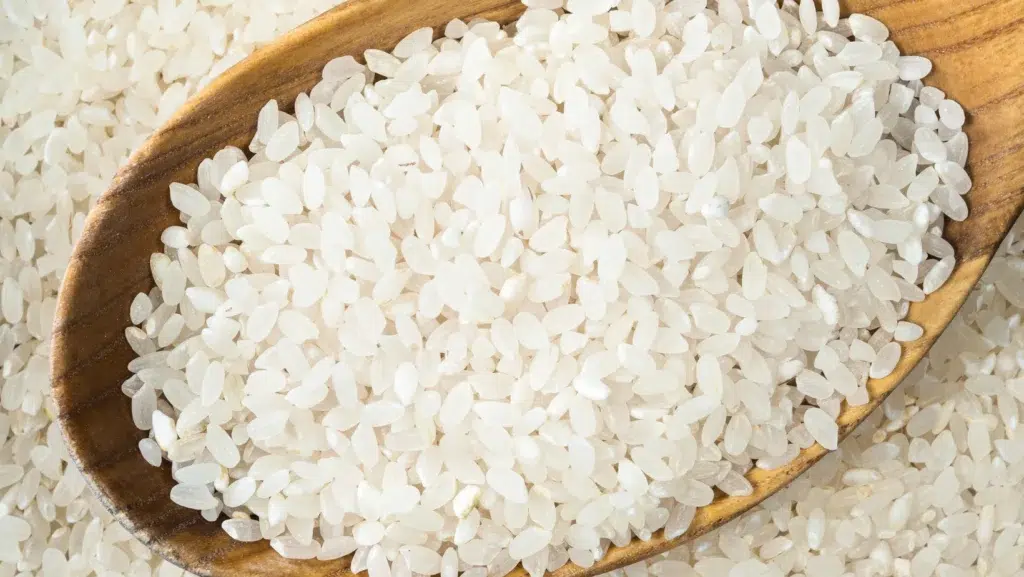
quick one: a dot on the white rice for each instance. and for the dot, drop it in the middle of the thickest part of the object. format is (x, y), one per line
(420, 290)
(48, 524)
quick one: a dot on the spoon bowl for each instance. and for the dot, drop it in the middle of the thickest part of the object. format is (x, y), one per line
(976, 50)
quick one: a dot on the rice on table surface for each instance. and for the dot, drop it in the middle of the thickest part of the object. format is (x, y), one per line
(913, 492)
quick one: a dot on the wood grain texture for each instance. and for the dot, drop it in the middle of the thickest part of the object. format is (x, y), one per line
(979, 60)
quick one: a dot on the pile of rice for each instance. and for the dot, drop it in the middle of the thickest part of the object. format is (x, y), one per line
(913, 493)
(514, 295)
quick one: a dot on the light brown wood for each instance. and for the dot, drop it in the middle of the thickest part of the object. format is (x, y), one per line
(979, 60)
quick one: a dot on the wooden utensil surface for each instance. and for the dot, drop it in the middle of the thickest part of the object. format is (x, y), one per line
(978, 51)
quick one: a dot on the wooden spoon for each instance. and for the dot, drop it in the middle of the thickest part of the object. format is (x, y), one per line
(976, 49)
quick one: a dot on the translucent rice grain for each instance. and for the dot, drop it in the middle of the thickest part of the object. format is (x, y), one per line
(234, 177)
(830, 12)
(529, 542)
(290, 548)
(267, 121)
(239, 492)
(907, 331)
(283, 142)
(221, 446)
(808, 16)
(189, 200)
(953, 175)
(767, 20)
(938, 275)
(813, 385)
(885, 362)
(913, 67)
(196, 497)
(822, 427)
(868, 29)
(245, 530)
(150, 452)
(140, 309)
(798, 157)
(929, 146)
(679, 521)
(644, 18)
